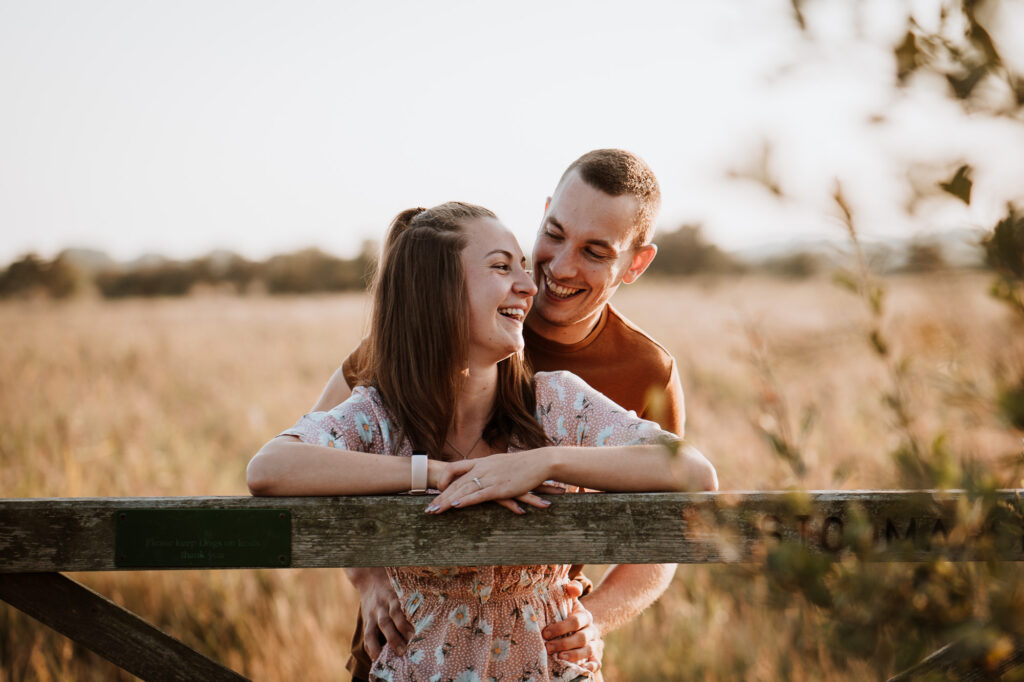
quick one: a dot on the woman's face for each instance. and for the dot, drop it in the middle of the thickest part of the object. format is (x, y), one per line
(499, 289)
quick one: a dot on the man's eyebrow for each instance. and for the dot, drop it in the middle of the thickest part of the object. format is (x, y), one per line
(600, 243)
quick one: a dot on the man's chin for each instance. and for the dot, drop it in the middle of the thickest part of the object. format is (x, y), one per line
(555, 318)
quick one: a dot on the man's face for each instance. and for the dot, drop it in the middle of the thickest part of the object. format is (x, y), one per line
(582, 253)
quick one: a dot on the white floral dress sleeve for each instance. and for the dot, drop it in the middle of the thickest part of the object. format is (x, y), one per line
(573, 413)
(361, 423)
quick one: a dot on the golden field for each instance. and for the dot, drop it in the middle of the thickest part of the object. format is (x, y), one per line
(171, 397)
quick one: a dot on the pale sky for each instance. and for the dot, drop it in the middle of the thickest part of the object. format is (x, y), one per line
(139, 127)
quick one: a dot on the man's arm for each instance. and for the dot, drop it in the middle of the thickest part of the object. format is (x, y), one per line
(339, 388)
(625, 591)
(335, 392)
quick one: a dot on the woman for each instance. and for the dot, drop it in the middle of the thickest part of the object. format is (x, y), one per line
(445, 374)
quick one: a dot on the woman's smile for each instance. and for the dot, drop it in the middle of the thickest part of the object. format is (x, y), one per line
(499, 290)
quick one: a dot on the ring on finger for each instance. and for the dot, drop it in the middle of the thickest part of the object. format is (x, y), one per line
(477, 481)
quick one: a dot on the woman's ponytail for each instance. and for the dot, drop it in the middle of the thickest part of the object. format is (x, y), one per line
(401, 223)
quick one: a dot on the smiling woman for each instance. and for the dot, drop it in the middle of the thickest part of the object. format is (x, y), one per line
(446, 374)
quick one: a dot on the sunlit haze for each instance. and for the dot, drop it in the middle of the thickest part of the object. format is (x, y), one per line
(262, 127)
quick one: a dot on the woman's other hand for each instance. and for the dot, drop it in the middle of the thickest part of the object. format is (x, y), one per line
(504, 478)
(576, 638)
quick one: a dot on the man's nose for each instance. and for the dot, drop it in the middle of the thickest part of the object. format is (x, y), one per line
(562, 265)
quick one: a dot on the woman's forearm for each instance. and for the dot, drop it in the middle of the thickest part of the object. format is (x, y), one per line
(636, 468)
(286, 466)
(639, 468)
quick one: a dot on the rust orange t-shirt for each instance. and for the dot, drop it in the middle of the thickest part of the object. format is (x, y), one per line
(618, 359)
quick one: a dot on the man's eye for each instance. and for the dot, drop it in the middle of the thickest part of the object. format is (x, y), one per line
(552, 235)
(597, 256)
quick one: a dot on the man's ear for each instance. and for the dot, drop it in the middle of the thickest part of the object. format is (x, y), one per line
(547, 205)
(642, 257)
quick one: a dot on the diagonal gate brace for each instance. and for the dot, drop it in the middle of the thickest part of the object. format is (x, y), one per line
(114, 633)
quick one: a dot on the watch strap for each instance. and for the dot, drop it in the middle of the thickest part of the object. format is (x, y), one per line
(418, 484)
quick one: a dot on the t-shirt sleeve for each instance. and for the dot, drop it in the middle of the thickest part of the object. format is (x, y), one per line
(355, 424)
(675, 404)
(573, 413)
(664, 403)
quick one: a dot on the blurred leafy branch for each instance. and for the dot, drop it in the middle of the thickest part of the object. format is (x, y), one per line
(892, 615)
(959, 48)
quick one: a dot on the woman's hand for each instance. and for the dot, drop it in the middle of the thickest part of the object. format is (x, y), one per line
(576, 638)
(504, 477)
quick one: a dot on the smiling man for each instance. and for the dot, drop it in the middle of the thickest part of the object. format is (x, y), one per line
(595, 236)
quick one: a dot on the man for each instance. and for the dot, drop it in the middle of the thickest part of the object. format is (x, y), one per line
(595, 235)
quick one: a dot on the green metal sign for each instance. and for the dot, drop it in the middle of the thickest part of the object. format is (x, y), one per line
(202, 538)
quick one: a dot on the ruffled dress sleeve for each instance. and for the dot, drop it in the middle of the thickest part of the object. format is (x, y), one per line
(361, 423)
(573, 413)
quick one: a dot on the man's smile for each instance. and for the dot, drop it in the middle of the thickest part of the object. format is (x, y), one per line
(558, 290)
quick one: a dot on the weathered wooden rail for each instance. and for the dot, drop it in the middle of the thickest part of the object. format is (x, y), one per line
(41, 538)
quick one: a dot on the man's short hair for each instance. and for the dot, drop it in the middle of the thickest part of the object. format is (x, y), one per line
(616, 172)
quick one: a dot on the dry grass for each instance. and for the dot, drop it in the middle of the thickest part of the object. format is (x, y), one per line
(172, 398)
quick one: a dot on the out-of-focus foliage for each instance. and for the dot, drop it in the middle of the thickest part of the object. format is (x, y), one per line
(313, 270)
(31, 276)
(302, 272)
(963, 52)
(924, 256)
(686, 251)
(1004, 253)
(891, 616)
(795, 265)
(960, 185)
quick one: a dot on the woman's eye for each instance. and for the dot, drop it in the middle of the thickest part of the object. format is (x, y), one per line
(503, 267)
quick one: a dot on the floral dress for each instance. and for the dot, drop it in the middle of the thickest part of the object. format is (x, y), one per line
(482, 623)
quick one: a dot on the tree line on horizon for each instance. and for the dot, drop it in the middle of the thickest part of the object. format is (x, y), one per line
(683, 252)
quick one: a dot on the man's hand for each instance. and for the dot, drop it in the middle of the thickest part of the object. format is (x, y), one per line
(382, 612)
(576, 638)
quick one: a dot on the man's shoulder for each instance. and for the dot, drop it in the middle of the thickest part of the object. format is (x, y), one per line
(624, 333)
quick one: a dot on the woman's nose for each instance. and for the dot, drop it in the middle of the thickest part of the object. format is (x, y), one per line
(525, 284)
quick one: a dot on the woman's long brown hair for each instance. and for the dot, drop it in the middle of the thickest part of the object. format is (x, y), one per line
(419, 335)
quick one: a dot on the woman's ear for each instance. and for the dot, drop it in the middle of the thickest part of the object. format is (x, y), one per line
(642, 257)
